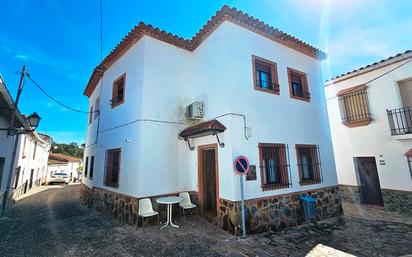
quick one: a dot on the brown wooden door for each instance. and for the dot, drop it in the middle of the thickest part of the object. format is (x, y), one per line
(370, 186)
(208, 187)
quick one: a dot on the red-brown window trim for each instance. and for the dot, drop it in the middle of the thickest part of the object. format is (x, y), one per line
(114, 91)
(285, 183)
(316, 165)
(273, 74)
(305, 84)
(111, 184)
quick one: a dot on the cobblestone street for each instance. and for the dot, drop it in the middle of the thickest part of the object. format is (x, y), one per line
(53, 222)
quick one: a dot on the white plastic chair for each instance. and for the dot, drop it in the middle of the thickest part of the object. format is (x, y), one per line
(146, 210)
(186, 204)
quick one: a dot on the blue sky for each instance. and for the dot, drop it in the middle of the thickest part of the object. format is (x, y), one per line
(59, 41)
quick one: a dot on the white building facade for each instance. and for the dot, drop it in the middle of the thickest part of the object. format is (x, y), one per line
(262, 97)
(61, 163)
(370, 114)
(31, 166)
(28, 170)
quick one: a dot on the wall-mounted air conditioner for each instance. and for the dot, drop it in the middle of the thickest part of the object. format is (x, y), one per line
(194, 111)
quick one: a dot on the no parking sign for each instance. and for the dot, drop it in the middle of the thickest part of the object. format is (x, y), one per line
(241, 165)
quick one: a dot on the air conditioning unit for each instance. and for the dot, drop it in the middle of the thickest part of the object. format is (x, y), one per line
(194, 111)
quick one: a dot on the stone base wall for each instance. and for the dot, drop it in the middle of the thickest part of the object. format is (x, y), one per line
(350, 194)
(86, 195)
(278, 212)
(396, 200)
(124, 207)
(393, 200)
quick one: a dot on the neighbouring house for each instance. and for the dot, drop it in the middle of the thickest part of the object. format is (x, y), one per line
(169, 114)
(61, 163)
(7, 141)
(29, 168)
(370, 114)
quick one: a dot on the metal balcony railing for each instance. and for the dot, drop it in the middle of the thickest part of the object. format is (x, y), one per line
(268, 85)
(301, 93)
(400, 120)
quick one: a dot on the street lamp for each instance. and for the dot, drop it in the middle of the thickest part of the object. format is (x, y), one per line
(34, 120)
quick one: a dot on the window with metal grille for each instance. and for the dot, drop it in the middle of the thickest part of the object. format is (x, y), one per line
(91, 167)
(265, 75)
(118, 91)
(298, 85)
(112, 167)
(354, 106)
(86, 166)
(409, 158)
(274, 166)
(309, 165)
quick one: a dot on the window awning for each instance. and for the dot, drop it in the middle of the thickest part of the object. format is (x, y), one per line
(206, 128)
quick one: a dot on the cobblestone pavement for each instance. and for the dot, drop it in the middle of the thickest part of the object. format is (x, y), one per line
(54, 223)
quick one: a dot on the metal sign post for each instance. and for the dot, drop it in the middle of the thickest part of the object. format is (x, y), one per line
(241, 166)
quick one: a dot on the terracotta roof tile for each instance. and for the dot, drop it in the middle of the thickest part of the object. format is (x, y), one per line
(63, 157)
(330, 81)
(224, 14)
(204, 128)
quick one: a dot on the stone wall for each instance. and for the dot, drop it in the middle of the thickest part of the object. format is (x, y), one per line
(395, 200)
(278, 212)
(350, 194)
(124, 207)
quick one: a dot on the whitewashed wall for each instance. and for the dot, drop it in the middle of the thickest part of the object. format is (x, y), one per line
(26, 160)
(68, 168)
(162, 79)
(6, 150)
(374, 140)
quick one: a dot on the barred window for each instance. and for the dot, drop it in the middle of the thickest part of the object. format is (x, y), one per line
(309, 165)
(274, 166)
(409, 159)
(354, 106)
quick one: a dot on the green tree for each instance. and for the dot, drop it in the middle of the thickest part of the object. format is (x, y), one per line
(71, 149)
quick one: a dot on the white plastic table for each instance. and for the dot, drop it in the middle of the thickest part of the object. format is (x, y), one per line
(169, 200)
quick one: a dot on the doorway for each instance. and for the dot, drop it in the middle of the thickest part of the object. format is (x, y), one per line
(370, 186)
(208, 181)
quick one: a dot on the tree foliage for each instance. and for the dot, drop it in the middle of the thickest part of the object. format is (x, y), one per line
(72, 149)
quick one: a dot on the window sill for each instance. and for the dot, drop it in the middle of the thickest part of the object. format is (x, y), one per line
(300, 98)
(117, 104)
(310, 182)
(274, 187)
(269, 91)
(112, 185)
(358, 123)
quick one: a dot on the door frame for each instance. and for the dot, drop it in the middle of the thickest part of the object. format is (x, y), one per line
(200, 175)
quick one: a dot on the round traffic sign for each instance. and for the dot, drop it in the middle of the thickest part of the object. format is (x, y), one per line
(241, 165)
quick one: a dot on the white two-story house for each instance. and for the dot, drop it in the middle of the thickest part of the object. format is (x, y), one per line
(169, 114)
(370, 114)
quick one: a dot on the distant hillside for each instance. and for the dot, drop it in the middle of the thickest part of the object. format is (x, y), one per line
(72, 149)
